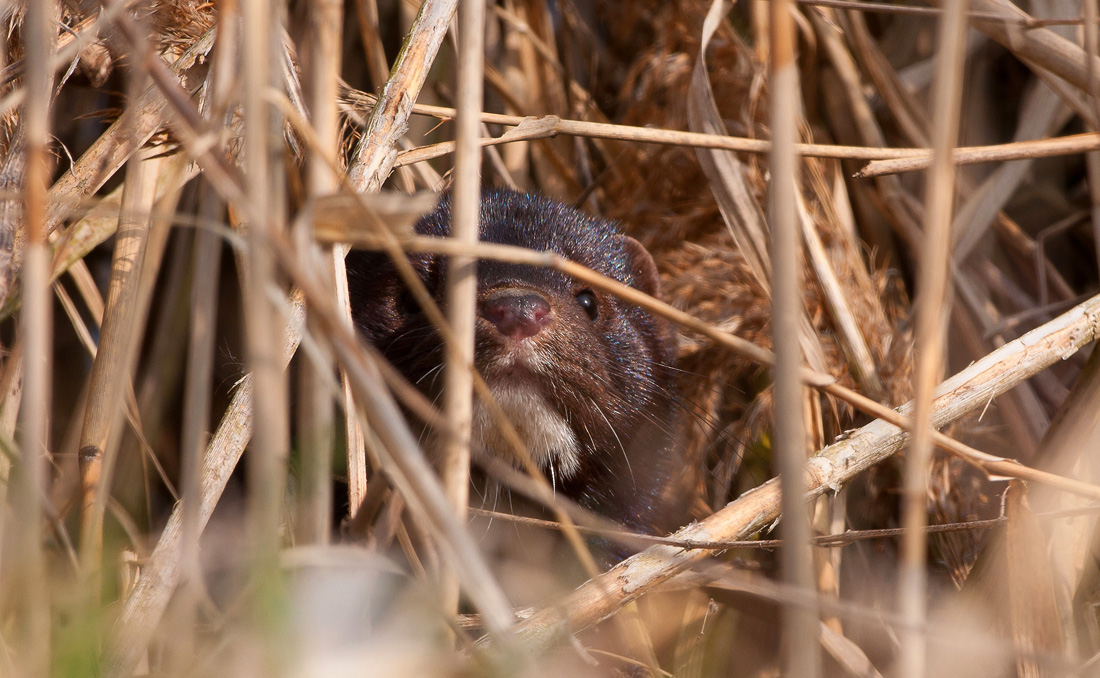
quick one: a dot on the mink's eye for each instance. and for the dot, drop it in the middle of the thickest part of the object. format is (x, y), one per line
(587, 300)
(406, 303)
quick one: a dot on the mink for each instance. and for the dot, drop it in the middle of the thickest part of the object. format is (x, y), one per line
(585, 378)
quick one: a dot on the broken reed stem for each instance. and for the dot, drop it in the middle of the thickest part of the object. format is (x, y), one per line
(931, 331)
(373, 158)
(828, 470)
(461, 282)
(32, 638)
(800, 623)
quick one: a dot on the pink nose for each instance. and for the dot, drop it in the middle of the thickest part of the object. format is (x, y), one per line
(516, 313)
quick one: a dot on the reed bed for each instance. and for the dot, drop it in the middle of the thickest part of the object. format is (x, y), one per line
(868, 219)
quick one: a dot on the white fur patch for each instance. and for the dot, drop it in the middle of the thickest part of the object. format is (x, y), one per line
(549, 440)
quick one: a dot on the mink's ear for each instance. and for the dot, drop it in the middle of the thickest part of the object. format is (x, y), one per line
(642, 266)
(661, 332)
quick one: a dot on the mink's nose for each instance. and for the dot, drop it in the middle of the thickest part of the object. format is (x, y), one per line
(516, 313)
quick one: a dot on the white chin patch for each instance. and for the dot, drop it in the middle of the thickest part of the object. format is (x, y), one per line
(549, 440)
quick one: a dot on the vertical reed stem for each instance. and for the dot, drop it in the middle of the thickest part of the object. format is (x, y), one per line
(462, 270)
(931, 323)
(1092, 159)
(316, 409)
(206, 263)
(800, 623)
(33, 630)
(262, 23)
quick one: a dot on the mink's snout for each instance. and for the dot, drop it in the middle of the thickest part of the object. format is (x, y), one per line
(516, 313)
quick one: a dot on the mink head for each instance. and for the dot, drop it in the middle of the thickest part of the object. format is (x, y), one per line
(583, 377)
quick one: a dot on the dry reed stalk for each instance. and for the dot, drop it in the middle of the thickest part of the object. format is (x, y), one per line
(971, 220)
(1017, 150)
(95, 167)
(82, 46)
(1067, 448)
(1042, 116)
(1040, 47)
(868, 130)
(316, 418)
(144, 607)
(104, 157)
(109, 381)
(859, 354)
(367, 15)
(1021, 412)
(11, 176)
(1032, 603)
(931, 321)
(94, 304)
(727, 174)
(461, 284)
(552, 125)
(972, 15)
(1091, 36)
(800, 624)
(373, 157)
(195, 424)
(11, 392)
(265, 221)
(29, 578)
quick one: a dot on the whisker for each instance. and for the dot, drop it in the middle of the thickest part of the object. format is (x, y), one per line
(622, 449)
